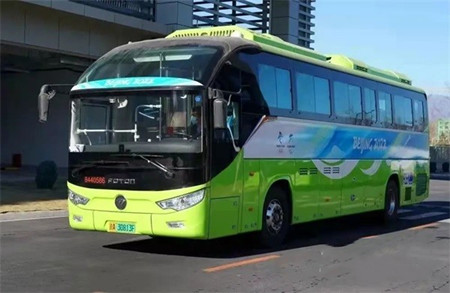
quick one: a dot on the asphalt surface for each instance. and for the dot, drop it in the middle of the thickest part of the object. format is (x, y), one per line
(351, 254)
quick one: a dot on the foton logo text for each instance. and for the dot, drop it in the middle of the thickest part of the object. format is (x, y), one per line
(121, 181)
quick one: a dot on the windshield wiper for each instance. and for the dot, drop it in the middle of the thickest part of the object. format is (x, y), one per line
(91, 164)
(169, 173)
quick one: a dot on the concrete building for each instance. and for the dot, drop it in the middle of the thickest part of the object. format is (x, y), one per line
(443, 129)
(53, 41)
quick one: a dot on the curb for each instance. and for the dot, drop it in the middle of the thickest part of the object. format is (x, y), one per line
(28, 216)
(440, 176)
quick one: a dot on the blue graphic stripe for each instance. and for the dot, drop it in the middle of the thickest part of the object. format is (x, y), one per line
(135, 82)
(308, 140)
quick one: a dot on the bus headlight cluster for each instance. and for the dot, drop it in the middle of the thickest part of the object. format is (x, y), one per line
(77, 199)
(182, 202)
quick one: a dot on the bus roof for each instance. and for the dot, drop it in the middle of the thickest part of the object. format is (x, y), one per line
(276, 45)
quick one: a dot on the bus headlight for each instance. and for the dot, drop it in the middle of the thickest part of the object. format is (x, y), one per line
(182, 202)
(77, 199)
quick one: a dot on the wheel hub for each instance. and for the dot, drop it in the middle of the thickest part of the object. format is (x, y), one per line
(274, 216)
(391, 204)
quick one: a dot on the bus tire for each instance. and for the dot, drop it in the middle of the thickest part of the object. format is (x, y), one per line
(276, 218)
(391, 203)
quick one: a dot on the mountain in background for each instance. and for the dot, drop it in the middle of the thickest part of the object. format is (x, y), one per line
(438, 107)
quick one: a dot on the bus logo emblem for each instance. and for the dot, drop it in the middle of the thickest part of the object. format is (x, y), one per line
(120, 202)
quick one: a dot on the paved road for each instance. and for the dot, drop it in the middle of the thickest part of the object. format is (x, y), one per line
(348, 255)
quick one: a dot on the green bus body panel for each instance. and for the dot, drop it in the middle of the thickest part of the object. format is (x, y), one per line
(250, 219)
(306, 192)
(235, 197)
(316, 196)
(224, 216)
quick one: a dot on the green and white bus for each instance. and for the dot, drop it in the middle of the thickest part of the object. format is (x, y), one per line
(218, 131)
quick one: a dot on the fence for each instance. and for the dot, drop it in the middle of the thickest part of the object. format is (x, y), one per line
(440, 158)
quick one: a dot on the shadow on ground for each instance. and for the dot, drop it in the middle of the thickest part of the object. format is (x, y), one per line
(18, 186)
(336, 232)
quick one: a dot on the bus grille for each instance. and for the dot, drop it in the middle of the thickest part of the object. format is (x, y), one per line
(303, 171)
(421, 184)
(408, 193)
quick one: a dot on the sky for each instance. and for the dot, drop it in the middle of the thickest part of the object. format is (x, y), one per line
(408, 36)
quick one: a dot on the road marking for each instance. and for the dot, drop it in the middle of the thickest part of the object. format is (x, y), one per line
(423, 226)
(32, 219)
(445, 221)
(370, 237)
(425, 215)
(241, 263)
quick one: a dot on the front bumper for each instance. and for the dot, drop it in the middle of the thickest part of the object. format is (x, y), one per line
(141, 210)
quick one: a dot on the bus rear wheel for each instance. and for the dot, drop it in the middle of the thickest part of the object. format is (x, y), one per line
(391, 203)
(276, 218)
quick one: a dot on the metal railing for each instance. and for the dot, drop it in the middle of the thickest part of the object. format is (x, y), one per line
(253, 14)
(144, 9)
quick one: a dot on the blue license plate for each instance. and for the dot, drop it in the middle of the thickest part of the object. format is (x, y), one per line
(121, 227)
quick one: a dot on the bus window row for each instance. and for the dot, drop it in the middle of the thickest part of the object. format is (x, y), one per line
(305, 90)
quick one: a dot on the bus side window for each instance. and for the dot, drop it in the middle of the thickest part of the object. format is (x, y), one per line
(233, 114)
(228, 79)
(347, 101)
(253, 105)
(275, 84)
(251, 97)
(385, 109)
(370, 110)
(419, 117)
(313, 94)
(403, 118)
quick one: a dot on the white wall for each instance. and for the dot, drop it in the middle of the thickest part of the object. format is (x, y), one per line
(20, 130)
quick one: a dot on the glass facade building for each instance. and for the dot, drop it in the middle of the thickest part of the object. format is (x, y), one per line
(289, 20)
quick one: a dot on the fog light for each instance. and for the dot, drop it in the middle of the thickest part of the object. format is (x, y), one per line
(175, 225)
(77, 218)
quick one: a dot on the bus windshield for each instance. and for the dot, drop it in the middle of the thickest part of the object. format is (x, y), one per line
(190, 62)
(161, 121)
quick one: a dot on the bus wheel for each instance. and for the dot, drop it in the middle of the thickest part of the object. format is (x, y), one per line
(391, 203)
(276, 218)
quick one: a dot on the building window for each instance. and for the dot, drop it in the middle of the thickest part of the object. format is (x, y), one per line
(313, 94)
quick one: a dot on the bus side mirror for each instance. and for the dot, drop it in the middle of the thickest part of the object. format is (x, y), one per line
(220, 113)
(219, 108)
(45, 94)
